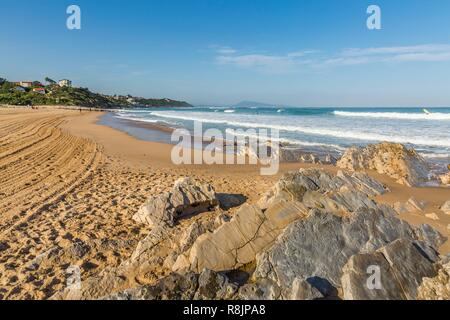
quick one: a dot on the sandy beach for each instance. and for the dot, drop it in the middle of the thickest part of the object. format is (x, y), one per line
(64, 179)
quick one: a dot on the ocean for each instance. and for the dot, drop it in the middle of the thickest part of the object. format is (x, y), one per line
(316, 129)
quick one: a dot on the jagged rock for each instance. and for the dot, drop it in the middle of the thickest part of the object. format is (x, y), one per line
(432, 216)
(410, 206)
(221, 219)
(427, 234)
(228, 201)
(393, 272)
(237, 242)
(315, 188)
(108, 281)
(206, 286)
(304, 290)
(212, 285)
(445, 178)
(320, 245)
(191, 234)
(436, 288)
(187, 197)
(145, 250)
(446, 207)
(395, 160)
(263, 290)
(3, 246)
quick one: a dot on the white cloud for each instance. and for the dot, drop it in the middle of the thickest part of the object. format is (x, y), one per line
(351, 56)
(420, 53)
(226, 50)
(263, 62)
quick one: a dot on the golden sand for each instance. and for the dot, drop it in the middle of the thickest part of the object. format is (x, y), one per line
(66, 180)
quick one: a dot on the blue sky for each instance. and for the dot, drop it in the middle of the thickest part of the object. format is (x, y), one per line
(303, 53)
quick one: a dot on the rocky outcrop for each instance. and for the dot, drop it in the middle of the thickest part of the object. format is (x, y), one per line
(252, 230)
(438, 287)
(395, 160)
(207, 285)
(445, 178)
(446, 207)
(412, 205)
(320, 246)
(393, 272)
(186, 198)
(237, 242)
(312, 236)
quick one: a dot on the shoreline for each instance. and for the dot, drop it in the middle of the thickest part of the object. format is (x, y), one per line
(69, 181)
(434, 196)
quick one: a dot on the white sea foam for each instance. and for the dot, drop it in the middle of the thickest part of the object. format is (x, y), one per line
(435, 155)
(230, 111)
(137, 119)
(287, 141)
(395, 115)
(338, 133)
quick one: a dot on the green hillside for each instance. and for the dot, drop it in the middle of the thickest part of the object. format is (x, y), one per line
(71, 96)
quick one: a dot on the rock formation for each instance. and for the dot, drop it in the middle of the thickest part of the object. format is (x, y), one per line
(438, 287)
(445, 178)
(446, 207)
(314, 235)
(187, 197)
(401, 265)
(412, 205)
(395, 160)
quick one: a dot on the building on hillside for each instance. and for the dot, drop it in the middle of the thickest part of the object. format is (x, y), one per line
(39, 90)
(25, 84)
(19, 89)
(65, 83)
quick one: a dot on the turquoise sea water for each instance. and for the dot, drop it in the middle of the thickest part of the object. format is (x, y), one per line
(324, 129)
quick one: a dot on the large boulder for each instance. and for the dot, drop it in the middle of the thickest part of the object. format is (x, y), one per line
(438, 287)
(446, 207)
(207, 285)
(254, 228)
(237, 242)
(412, 205)
(319, 189)
(393, 272)
(445, 178)
(186, 198)
(319, 246)
(392, 159)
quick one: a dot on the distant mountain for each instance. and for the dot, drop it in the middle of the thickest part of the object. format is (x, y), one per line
(250, 104)
(247, 104)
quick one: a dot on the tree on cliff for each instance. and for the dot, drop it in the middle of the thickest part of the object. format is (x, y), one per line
(50, 81)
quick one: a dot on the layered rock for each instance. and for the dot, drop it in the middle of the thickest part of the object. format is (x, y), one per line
(445, 178)
(395, 160)
(319, 246)
(412, 205)
(438, 287)
(186, 198)
(237, 242)
(254, 228)
(393, 272)
(446, 207)
(312, 236)
(207, 285)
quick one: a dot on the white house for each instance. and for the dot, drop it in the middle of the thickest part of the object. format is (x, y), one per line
(25, 84)
(65, 83)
